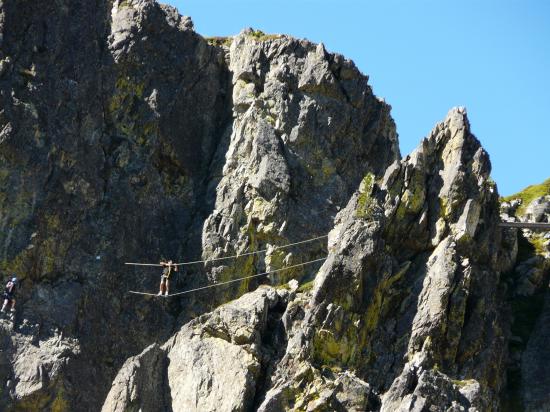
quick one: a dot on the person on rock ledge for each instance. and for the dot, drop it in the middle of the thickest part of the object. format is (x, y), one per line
(9, 294)
(164, 288)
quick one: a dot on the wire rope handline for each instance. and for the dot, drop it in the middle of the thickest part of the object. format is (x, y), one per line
(527, 225)
(230, 281)
(232, 256)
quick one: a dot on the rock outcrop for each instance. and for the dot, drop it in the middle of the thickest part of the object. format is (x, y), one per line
(214, 363)
(103, 157)
(306, 129)
(538, 210)
(124, 135)
(406, 312)
(529, 296)
(409, 296)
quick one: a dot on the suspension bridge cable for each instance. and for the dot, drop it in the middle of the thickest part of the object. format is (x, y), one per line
(232, 256)
(230, 281)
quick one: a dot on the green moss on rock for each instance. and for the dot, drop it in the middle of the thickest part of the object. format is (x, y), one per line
(261, 36)
(124, 3)
(538, 243)
(348, 343)
(412, 200)
(219, 41)
(60, 403)
(122, 106)
(380, 304)
(306, 286)
(365, 203)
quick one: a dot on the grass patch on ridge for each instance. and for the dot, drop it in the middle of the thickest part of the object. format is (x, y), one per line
(529, 194)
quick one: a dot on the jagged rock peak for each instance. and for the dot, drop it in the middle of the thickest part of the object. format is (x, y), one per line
(409, 291)
(407, 302)
(306, 129)
(132, 21)
(126, 135)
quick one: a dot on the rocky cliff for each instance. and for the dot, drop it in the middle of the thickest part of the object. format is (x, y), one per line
(529, 296)
(126, 136)
(103, 158)
(405, 314)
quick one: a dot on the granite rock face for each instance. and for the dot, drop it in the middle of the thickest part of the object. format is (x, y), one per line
(214, 363)
(529, 295)
(306, 128)
(407, 312)
(102, 159)
(538, 210)
(125, 135)
(409, 295)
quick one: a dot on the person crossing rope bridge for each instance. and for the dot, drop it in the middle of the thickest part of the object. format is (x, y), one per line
(169, 266)
(164, 287)
(230, 281)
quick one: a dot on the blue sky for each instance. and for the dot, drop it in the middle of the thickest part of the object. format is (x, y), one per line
(426, 56)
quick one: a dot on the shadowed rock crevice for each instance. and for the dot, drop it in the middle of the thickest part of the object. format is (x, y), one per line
(274, 342)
